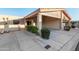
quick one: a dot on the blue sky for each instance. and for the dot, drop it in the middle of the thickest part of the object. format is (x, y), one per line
(73, 12)
(16, 11)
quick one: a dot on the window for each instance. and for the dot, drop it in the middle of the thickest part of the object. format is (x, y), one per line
(28, 22)
(15, 21)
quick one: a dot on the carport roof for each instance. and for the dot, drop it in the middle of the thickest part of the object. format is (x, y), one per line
(32, 14)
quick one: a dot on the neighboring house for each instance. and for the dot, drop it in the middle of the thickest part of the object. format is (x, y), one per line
(52, 18)
(10, 22)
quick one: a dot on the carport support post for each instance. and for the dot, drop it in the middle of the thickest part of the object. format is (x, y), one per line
(62, 24)
(39, 22)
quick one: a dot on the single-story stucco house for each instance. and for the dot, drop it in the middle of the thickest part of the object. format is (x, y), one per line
(52, 18)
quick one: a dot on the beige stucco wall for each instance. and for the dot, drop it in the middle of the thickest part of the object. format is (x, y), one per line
(51, 23)
(52, 14)
(53, 19)
(50, 9)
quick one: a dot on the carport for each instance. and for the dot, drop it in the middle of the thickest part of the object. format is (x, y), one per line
(51, 22)
(43, 21)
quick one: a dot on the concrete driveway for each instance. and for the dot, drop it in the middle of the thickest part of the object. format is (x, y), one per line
(66, 40)
(18, 41)
(25, 41)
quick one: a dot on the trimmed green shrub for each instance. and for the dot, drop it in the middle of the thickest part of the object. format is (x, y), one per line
(45, 33)
(32, 29)
(67, 28)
